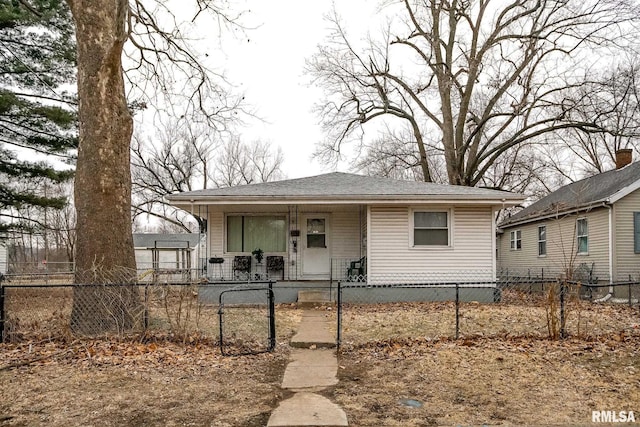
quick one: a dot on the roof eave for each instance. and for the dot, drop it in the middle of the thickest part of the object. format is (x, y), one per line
(556, 215)
(508, 200)
(624, 192)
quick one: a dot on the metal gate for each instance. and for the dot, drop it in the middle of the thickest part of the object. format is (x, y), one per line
(247, 320)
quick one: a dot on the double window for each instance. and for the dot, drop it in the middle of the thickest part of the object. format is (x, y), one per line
(516, 240)
(582, 231)
(431, 228)
(542, 240)
(246, 233)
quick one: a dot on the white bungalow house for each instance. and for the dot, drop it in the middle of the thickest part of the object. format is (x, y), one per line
(589, 229)
(341, 226)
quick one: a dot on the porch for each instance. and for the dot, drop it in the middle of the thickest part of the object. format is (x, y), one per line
(245, 268)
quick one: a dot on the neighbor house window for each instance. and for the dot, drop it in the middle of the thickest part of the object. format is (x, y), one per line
(516, 240)
(246, 233)
(431, 228)
(542, 240)
(582, 230)
(636, 232)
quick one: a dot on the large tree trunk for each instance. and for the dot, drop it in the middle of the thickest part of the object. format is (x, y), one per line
(104, 248)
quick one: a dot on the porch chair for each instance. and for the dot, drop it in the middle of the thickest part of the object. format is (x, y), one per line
(275, 263)
(242, 264)
(217, 261)
(357, 270)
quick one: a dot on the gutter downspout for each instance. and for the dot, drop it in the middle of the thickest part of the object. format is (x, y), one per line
(610, 293)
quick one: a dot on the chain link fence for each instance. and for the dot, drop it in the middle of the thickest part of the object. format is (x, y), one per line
(463, 305)
(119, 307)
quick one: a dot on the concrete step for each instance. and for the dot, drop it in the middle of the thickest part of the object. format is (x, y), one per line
(314, 297)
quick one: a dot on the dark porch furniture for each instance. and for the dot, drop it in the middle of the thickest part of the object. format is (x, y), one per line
(241, 267)
(275, 263)
(357, 270)
(217, 261)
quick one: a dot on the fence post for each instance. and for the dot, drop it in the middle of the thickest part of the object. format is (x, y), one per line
(457, 310)
(563, 329)
(339, 316)
(220, 321)
(272, 317)
(2, 312)
(146, 307)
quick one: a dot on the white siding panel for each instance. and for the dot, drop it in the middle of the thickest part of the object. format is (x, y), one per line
(216, 233)
(144, 259)
(627, 262)
(391, 253)
(345, 234)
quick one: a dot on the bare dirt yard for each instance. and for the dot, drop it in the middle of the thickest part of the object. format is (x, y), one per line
(386, 378)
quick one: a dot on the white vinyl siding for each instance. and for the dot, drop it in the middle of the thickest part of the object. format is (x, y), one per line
(215, 233)
(561, 246)
(390, 251)
(626, 259)
(345, 233)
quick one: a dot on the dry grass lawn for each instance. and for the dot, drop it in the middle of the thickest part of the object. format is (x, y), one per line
(489, 381)
(508, 379)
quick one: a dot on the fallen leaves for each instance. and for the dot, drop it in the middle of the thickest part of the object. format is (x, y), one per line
(480, 380)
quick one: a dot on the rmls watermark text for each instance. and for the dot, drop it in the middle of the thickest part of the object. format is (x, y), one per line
(613, 417)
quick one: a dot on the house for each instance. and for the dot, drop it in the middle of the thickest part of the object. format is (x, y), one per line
(341, 226)
(173, 255)
(589, 229)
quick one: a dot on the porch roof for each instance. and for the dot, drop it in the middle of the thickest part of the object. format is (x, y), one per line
(339, 187)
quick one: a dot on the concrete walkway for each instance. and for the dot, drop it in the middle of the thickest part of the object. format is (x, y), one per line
(313, 368)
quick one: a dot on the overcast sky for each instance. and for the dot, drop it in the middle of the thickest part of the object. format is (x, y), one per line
(268, 67)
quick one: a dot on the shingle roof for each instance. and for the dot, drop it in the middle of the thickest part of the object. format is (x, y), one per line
(585, 193)
(153, 240)
(338, 185)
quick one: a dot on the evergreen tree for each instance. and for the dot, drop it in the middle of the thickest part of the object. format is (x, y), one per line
(38, 122)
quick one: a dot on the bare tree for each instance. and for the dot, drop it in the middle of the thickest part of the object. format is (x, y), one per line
(248, 163)
(178, 158)
(187, 156)
(613, 101)
(394, 155)
(471, 79)
(104, 248)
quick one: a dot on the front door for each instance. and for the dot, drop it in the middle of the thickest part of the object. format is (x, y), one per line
(316, 262)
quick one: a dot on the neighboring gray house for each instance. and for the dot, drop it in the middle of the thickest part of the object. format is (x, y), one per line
(168, 253)
(329, 226)
(591, 227)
